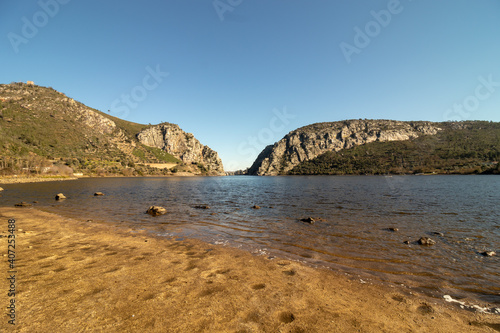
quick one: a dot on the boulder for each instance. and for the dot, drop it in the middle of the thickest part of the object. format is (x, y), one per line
(426, 241)
(97, 194)
(202, 207)
(22, 204)
(60, 196)
(255, 207)
(156, 210)
(393, 229)
(309, 220)
(1, 189)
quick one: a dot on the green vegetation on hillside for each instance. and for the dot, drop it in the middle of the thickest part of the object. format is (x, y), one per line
(41, 128)
(471, 147)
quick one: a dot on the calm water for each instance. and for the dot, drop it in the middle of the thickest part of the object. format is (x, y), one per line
(351, 236)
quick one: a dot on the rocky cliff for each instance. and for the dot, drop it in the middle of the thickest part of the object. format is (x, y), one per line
(173, 140)
(308, 142)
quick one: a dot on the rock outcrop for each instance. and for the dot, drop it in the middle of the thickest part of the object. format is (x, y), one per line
(308, 142)
(173, 140)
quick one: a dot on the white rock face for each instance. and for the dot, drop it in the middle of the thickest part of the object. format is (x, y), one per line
(173, 140)
(308, 142)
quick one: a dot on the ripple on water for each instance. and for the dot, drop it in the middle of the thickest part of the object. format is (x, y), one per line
(351, 232)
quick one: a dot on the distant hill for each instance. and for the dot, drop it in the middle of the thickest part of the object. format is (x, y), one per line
(354, 147)
(43, 130)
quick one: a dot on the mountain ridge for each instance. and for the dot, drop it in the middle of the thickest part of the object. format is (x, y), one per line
(299, 150)
(42, 128)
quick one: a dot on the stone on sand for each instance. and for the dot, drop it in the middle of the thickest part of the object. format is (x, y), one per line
(426, 241)
(156, 210)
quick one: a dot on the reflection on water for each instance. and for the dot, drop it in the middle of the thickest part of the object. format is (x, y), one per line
(351, 233)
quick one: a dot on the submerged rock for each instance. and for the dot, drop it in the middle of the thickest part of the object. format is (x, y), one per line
(309, 220)
(426, 241)
(97, 194)
(440, 234)
(22, 204)
(156, 210)
(60, 196)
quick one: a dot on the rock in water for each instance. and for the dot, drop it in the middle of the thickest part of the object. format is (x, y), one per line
(98, 194)
(1, 189)
(393, 229)
(489, 253)
(426, 241)
(202, 207)
(60, 196)
(255, 207)
(22, 204)
(156, 210)
(309, 220)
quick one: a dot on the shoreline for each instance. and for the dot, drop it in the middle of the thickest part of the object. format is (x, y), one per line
(96, 276)
(39, 179)
(24, 180)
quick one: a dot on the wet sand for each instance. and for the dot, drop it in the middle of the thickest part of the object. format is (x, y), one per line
(79, 276)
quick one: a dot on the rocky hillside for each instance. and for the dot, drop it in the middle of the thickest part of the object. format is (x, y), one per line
(308, 142)
(173, 140)
(43, 130)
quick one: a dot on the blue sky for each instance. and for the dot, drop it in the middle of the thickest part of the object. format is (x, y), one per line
(240, 74)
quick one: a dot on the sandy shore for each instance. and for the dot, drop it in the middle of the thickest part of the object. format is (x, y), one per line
(78, 276)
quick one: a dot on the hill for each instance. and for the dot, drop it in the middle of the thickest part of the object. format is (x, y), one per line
(43, 130)
(354, 147)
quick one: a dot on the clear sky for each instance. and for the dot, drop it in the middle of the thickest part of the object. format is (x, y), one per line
(240, 74)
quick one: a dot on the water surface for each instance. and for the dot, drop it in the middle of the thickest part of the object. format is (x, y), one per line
(351, 233)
